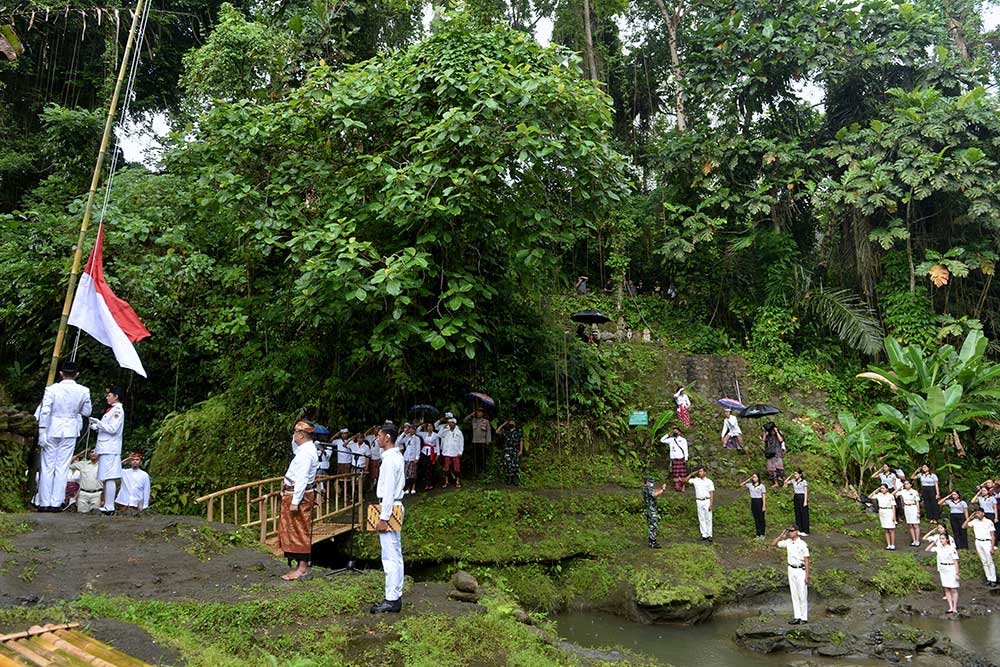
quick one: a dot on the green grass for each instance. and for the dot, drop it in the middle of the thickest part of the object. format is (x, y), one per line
(9, 527)
(900, 574)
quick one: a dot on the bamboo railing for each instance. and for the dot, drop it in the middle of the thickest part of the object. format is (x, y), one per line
(339, 499)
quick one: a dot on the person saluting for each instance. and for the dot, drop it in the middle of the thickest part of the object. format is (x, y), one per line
(59, 425)
(799, 576)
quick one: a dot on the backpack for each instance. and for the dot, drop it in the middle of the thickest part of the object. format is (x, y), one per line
(772, 445)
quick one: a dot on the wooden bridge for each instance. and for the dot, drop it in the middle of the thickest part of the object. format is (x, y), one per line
(339, 506)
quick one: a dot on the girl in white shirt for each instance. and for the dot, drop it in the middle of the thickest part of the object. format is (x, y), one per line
(683, 406)
(947, 566)
(886, 514)
(911, 511)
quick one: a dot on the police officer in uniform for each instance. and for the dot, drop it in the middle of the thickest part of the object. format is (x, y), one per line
(649, 495)
(59, 425)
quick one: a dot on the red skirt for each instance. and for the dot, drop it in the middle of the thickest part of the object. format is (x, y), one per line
(679, 468)
(684, 415)
(295, 526)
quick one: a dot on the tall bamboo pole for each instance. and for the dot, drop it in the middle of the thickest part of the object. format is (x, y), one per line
(95, 179)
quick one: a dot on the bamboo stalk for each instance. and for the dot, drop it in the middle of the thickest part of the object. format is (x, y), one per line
(37, 630)
(100, 649)
(88, 210)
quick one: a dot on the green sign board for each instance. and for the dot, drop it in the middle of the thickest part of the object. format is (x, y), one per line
(638, 419)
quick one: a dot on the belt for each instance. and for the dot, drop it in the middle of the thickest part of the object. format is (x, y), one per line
(290, 487)
(798, 567)
(951, 563)
(979, 539)
(97, 490)
(705, 498)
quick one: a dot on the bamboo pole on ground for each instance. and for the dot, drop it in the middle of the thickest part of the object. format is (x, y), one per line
(88, 210)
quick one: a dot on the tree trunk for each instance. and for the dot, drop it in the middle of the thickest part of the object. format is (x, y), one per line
(591, 63)
(673, 20)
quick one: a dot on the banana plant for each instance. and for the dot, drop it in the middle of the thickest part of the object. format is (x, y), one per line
(944, 391)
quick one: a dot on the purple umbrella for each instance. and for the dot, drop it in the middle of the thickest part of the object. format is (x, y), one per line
(730, 403)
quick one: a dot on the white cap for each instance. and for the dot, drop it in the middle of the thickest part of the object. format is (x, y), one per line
(452, 421)
(448, 415)
(344, 430)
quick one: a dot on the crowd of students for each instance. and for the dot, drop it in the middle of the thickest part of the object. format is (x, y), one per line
(433, 452)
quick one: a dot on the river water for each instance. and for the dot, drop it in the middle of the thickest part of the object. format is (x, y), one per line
(711, 644)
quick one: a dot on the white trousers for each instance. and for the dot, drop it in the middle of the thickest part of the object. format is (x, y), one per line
(984, 549)
(88, 501)
(392, 563)
(800, 592)
(704, 518)
(110, 490)
(57, 454)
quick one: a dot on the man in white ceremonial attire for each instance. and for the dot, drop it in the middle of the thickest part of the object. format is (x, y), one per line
(704, 496)
(109, 448)
(391, 482)
(986, 543)
(133, 497)
(59, 426)
(799, 576)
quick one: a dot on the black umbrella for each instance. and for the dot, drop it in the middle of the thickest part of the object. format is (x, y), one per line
(428, 412)
(758, 410)
(590, 317)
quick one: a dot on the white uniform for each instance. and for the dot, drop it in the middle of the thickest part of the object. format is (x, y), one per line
(359, 452)
(374, 451)
(983, 530)
(886, 510)
(911, 506)
(412, 444)
(797, 552)
(59, 424)
(452, 442)
(343, 451)
(135, 489)
(702, 495)
(391, 482)
(89, 497)
(109, 449)
(678, 446)
(947, 564)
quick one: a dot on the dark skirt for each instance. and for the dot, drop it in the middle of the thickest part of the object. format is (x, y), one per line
(801, 512)
(960, 534)
(295, 526)
(931, 508)
(678, 468)
(757, 509)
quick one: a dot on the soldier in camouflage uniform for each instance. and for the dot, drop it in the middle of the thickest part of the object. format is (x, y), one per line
(649, 495)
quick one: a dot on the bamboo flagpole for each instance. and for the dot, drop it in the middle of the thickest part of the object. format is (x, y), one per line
(95, 179)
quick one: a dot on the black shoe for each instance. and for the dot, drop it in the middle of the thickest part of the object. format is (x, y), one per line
(654, 545)
(108, 512)
(794, 621)
(387, 607)
(708, 539)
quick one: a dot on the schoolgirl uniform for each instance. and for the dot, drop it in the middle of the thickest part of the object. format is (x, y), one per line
(799, 486)
(928, 486)
(757, 492)
(957, 517)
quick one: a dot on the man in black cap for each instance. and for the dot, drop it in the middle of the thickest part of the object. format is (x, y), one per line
(59, 425)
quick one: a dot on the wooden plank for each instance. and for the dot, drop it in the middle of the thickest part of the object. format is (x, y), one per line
(26, 653)
(9, 659)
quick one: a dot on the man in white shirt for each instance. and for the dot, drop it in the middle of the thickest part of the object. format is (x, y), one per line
(986, 543)
(799, 576)
(133, 497)
(59, 425)
(409, 443)
(452, 447)
(109, 447)
(704, 496)
(678, 457)
(359, 453)
(89, 498)
(343, 452)
(441, 425)
(297, 499)
(732, 435)
(391, 483)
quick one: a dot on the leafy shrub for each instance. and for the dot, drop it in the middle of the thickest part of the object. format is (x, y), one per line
(900, 574)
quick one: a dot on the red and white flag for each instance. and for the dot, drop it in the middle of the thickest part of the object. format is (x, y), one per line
(104, 316)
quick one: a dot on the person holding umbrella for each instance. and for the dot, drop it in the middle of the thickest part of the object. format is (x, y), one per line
(482, 435)
(732, 435)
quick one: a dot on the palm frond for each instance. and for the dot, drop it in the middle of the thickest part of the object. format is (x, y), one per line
(844, 313)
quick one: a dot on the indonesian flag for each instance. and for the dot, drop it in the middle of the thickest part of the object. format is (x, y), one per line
(104, 316)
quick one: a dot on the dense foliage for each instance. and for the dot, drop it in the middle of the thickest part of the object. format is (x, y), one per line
(356, 213)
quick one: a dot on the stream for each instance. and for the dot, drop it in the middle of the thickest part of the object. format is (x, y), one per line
(711, 644)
